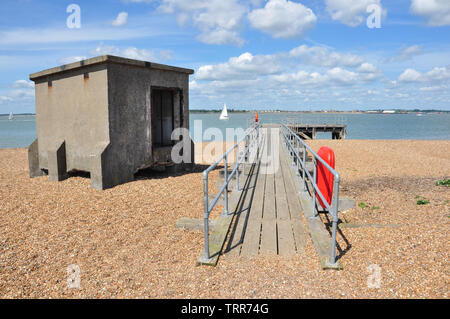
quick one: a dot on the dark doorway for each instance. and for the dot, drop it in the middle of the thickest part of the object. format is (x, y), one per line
(162, 117)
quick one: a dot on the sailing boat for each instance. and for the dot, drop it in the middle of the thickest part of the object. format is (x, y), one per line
(10, 116)
(224, 114)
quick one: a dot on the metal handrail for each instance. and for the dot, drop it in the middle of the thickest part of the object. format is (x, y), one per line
(251, 137)
(294, 146)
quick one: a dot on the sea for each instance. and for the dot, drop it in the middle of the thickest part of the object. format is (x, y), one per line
(21, 130)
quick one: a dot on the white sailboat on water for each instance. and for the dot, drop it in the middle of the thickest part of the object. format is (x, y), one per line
(224, 114)
(10, 116)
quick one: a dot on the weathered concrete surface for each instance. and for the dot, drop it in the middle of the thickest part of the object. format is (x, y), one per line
(33, 160)
(57, 169)
(193, 224)
(101, 110)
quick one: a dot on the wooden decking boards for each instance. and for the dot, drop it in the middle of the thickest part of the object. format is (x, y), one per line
(268, 213)
(270, 222)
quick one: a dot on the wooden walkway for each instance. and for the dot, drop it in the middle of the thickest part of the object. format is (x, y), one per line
(268, 217)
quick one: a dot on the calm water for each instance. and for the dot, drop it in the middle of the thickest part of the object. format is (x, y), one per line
(21, 131)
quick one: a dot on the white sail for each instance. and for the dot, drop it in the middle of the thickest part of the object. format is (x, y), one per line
(10, 116)
(224, 114)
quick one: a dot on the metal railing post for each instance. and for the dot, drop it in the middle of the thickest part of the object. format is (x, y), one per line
(206, 215)
(237, 168)
(225, 212)
(293, 150)
(314, 190)
(247, 147)
(335, 218)
(297, 150)
(304, 168)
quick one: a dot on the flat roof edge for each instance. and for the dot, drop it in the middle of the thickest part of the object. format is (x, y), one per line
(108, 58)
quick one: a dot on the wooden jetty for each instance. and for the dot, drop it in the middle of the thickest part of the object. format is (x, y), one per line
(309, 131)
(269, 216)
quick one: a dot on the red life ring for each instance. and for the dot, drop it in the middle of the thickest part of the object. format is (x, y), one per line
(324, 178)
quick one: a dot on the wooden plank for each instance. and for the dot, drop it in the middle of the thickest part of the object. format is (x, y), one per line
(216, 240)
(268, 238)
(269, 243)
(319, 235)
(295, 210)
(242, 214)
(269, 212)
(286, 244)
(250, 246)
(282, 208)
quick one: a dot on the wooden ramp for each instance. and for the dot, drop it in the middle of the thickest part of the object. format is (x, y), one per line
(268, 218)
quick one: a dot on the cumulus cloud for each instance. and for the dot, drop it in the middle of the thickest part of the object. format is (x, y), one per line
(23, 84)
(4, 99)
(436, 12)
(409, 75)
(246, 65)
(406, 54)
(323, 57)
(71, 59)
(132, 53)
(367, 68)
(219, 21)
(283, 19)
(334, 77)
(122, 19)
(350, 12)
(437, 74)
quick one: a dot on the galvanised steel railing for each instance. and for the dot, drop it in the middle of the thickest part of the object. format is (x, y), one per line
(293, 143)
(251, 138)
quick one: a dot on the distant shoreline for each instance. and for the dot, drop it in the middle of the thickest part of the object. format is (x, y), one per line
(296, 112)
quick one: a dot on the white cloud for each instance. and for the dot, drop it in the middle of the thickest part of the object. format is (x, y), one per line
(133, 53)
(28, 36)
(71, 59)
(342, 76)
(283, 19)
(5, 99)
(323, 57)
(433, 88)
(436, 12)
(409, 75)
(23, 84)
(437, 74)
(407, 54)
(350, 12)
(219, 21)
(244, 66)
(367, 68)
(122, 19)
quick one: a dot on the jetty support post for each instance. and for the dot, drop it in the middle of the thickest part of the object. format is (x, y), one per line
(206, 216)
(225, 211)
(335, 209)
(313, 196)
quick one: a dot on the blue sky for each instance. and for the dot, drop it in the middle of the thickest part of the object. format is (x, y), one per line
(277, 54)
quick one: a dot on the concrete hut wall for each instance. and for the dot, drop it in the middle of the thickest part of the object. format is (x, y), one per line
(73, 111)
(96, 116)
(130, 116)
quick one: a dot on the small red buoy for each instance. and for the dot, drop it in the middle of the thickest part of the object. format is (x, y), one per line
(256, 117)
(324, 178)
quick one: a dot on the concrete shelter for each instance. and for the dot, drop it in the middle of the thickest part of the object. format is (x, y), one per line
(109, 116)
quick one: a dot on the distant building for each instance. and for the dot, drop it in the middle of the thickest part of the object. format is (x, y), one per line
(108, 116)
(388, 112)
